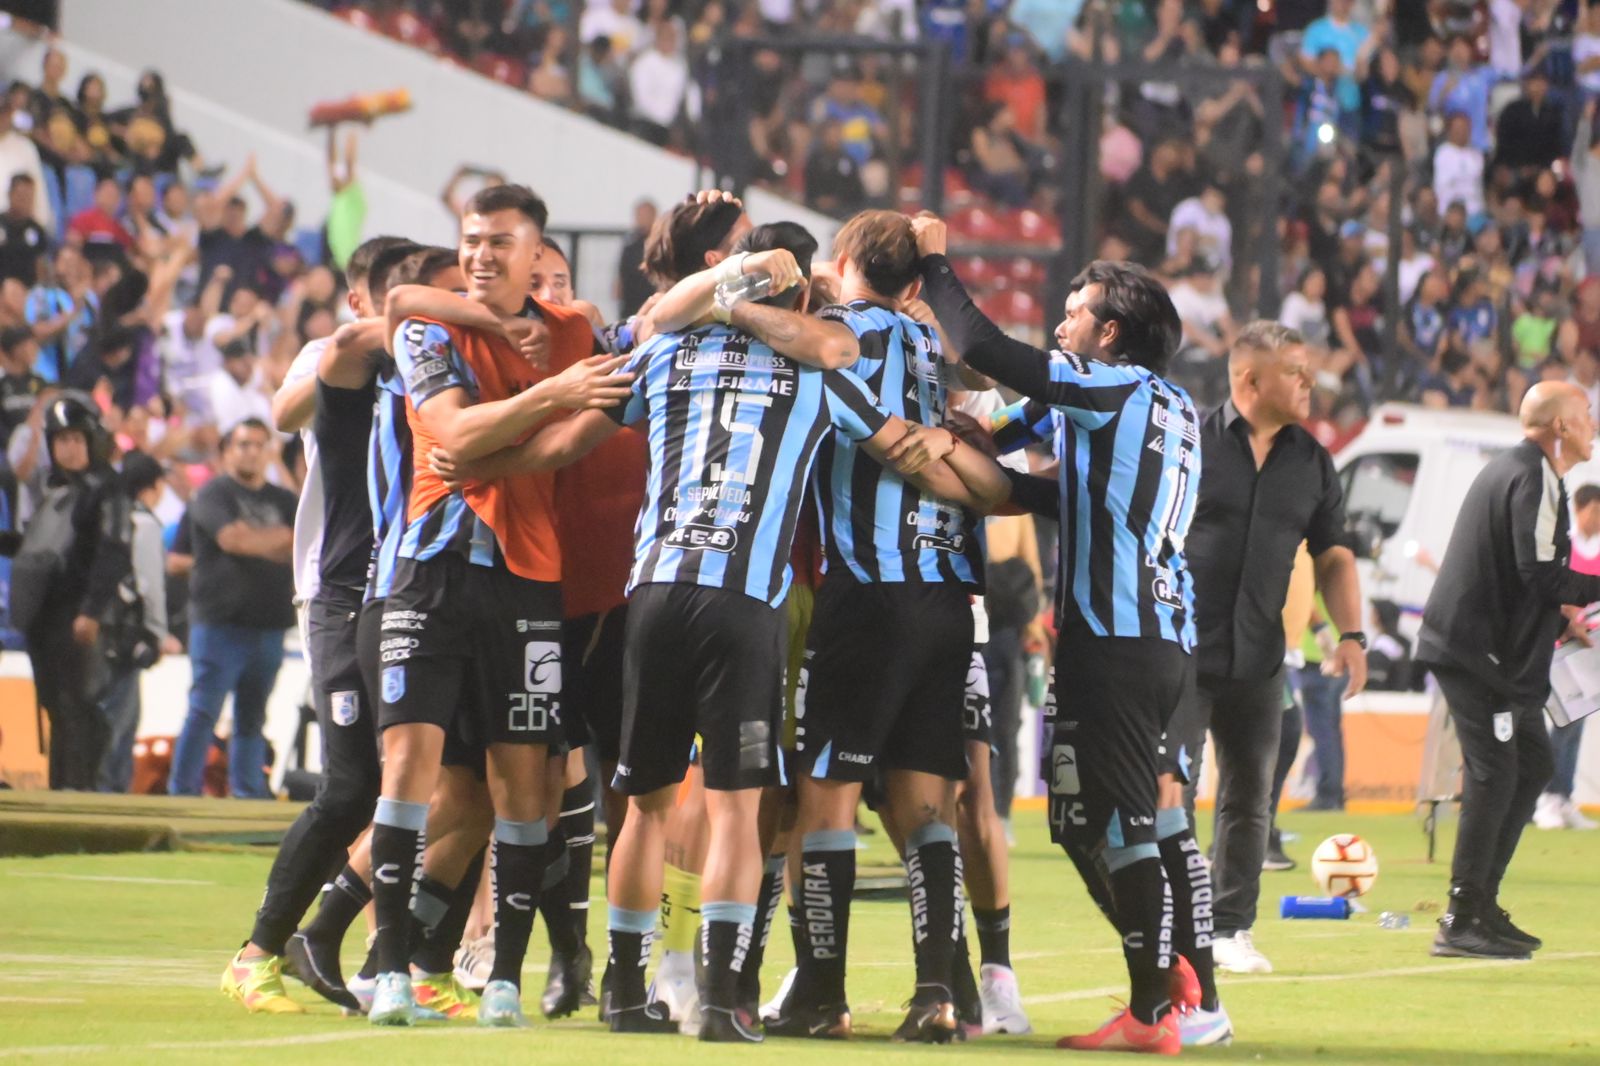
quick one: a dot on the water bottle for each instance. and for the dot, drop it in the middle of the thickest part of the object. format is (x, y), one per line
(744, 287)
(1037, 679)
(1314, 907)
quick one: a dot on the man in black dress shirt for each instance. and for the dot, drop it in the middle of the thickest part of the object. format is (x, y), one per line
(1488, 633)
(1530, 133)
(1265, 486)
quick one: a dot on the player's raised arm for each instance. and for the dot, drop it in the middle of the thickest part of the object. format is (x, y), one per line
(803, 338)
(348, 362)
(531, 336)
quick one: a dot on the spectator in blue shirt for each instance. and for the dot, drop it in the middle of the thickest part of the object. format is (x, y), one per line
(1351, 40)
(62, 308)
(860, 124)
(1320, 115)
(1463, 86)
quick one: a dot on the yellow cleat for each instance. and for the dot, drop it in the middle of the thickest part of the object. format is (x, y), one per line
(445, 996)
(258, 984)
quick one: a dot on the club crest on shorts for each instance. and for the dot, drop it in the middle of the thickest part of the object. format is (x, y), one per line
(542, 666)
(394, 683)
(346, 708)
(1503, 726)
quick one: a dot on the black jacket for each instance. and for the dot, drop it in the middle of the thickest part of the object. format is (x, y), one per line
(1495, 608)
(101, 553)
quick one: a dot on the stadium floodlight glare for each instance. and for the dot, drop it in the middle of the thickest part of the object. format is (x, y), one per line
(1325, 133)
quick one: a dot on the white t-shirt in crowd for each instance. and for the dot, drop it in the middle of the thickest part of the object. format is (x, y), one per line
(1458, 175)
(1587, 46)
(308, 517)
(625, 31)
(1214, 231)
(232, 402)
(1199, 309)
(189, 364)
(1308, 317)
(658, 83)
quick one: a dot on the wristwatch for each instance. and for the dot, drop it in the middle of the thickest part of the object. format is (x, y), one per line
(1356, 635)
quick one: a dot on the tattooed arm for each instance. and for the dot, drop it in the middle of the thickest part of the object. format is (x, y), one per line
(803, 338)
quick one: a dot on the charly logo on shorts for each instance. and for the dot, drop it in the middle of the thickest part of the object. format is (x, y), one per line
(1064, 771)
(1504, 726)
(394, 683)
(542, 666)
(346, 708)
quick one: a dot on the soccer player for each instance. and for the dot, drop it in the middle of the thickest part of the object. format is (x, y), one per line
(333, 543)
(1127, 444)
(890, 647)
(475, 600)
(733, 427)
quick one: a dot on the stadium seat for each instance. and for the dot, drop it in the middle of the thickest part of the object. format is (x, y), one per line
(406, 26)
(1024, 272)
(502, 69)
(359, 19)
(980, 273)
(1034, 228)
(977, 225)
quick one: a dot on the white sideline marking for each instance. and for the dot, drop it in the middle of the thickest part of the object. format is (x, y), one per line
(38, 1000)
(113, 880)
(367, 1033)
(1443, 966)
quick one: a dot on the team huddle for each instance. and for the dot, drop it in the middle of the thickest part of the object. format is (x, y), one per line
(734, 545)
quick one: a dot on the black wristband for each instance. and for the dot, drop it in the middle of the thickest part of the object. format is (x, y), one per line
(1356, 635)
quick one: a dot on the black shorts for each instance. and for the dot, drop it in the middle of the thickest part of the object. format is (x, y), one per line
(1114, 696)
(591, 681)
(886, 680)
(338, 691)
(977, 721)
(1177, 754)
(475, 647)
(701, 661)
(458, 751)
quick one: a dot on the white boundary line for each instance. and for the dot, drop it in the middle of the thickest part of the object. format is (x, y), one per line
(110, 879)
(366, 1033)
(1443, 966)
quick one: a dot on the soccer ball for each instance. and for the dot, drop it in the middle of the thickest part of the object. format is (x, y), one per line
(1345, 865)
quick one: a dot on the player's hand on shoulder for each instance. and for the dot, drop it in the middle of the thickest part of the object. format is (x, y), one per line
(532, 339)
(932, 235)
(919, 448)
(592, 382)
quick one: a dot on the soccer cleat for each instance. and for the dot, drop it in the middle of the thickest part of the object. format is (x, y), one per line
(649, 1018)
(1550, 812)
(475, 962)
(1238, 954)
(1499, 922)
(721, 1025)
(810, 1023)
(568, 984)
(444, 996)
(1002, 1001)
(318, 970)
(1183, 987)
(1205, 1028)
(258, 984)
(361, 988)
(931, 1022)
(774, 1007)
(968, 999)
(1124, 1032)
(501, 1007)
(1461, 936)
(676, 989)
(393, 1002)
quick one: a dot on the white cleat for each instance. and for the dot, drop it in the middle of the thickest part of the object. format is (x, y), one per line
(1238, 954)
(772, 1009)
(361, 988)
(675, 988)
(1551, 813)
(474, 962)
(1002, 1001)
(393, 1002)
(1206, 1028)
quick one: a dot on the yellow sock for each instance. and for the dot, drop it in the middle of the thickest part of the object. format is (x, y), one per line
(680, 909)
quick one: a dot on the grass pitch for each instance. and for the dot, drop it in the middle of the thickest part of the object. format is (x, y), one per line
(116, 958)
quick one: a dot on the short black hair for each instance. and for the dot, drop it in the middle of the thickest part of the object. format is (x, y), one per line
(1148, 326)
(21, 179)
(243, 423)
(420, 265)
(382, 267)
(1585, 495)
(553, 246)
(678, 242)
(13, 338)
(508, 197)
(140, 471)
(359, 266)
(790, 236)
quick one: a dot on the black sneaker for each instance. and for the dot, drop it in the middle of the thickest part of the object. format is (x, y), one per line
(964, 990)
(650, 1018)
(1276, 860)
(319, 971)
(568, 981)
(932, 1021)
(722, 1025)
(1464, 937)
(1499, 923)
(811, 1023)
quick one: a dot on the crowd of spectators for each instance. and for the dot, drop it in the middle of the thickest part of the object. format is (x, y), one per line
(147, 314)
(1482, 106)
